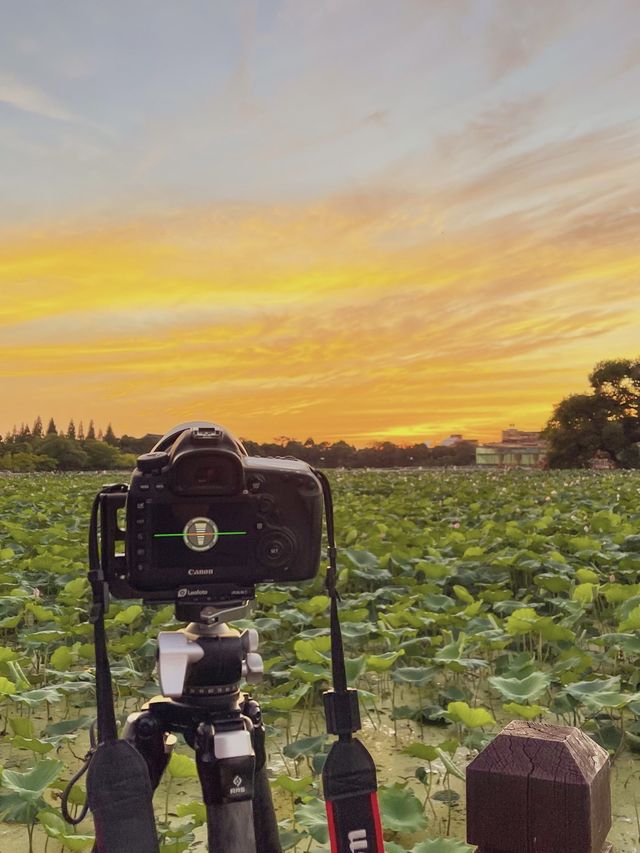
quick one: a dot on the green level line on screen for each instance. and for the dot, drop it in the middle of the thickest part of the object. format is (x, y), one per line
(220, 533)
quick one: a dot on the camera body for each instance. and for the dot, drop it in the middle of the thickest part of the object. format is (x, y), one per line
(205, 521)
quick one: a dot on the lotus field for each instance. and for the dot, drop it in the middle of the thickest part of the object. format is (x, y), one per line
(468, 599)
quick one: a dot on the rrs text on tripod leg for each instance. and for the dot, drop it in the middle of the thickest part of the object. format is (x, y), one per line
(226, 765)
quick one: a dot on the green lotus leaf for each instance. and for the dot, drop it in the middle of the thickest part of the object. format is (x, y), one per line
(632, 622)
(552, 583)
(7, 654)
(424, 751)
(55, 827)
(525, 712)
(473, 552)
(585, 593)
(292, 785)
(33, 698)
(6, 687)
(521, 690)
(311, 672)
(305, 746)
(61, 659)
(600, 693)
(417, 675)
(45, 637)
(401, 809)
(616, 593)
(315, 605)
(629, 643)
(587, 576)
(313, 650)
(289, 702)
(462, 593)
(354, 668)
(33, 744)
(272, 596)
(585, 543)
(383, 662)
(552, 632)
(129, 615)
(313, 817)
(450, 767)
(182, 766)
(196, 809)
(631, 543)
(472, 718)
(33, 783)
(521, 621)
(22, 726)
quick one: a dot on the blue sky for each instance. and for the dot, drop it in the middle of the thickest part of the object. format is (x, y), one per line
(156, 103)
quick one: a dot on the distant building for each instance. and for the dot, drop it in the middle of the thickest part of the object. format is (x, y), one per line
(602, 461)
(457, 438)
(518, 449)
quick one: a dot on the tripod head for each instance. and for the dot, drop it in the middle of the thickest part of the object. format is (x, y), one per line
(205, 662)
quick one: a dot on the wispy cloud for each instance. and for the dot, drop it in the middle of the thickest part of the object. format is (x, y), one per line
(30, 99)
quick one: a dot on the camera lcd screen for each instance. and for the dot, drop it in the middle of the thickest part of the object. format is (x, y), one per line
(200, 535)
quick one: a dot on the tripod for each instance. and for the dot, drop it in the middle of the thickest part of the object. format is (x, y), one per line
(200, 669)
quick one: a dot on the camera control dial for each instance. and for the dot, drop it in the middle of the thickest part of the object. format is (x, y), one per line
(276, 548)
(150, 462)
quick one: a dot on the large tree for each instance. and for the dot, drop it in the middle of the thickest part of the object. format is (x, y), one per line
(608, 419)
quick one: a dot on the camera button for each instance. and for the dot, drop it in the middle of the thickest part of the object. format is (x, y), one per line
(276, 549)
(265, 503)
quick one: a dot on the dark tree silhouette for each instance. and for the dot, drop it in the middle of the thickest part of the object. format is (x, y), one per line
(110, 436)
(606, 420)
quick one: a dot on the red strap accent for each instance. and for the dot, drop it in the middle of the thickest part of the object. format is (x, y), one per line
(378, 823)
(332, 827)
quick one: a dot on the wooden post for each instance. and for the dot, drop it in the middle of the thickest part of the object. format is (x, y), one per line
(539, 789)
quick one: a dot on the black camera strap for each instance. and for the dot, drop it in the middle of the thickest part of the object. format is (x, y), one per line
(349, 774)
(119, 792)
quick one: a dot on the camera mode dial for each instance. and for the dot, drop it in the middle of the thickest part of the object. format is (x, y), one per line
(150, 462)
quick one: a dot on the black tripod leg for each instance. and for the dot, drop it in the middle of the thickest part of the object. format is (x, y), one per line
(264, 818)
(230, 828)
(146, 733)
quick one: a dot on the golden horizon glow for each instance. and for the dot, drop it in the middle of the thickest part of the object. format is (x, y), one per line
(306, 323)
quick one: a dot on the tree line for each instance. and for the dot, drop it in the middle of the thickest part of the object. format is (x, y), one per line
(38, 449)
(34, 448)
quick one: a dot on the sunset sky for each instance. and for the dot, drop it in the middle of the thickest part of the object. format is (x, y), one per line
(344, 219)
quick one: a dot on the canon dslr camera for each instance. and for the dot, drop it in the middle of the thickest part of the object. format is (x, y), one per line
(202, 517)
